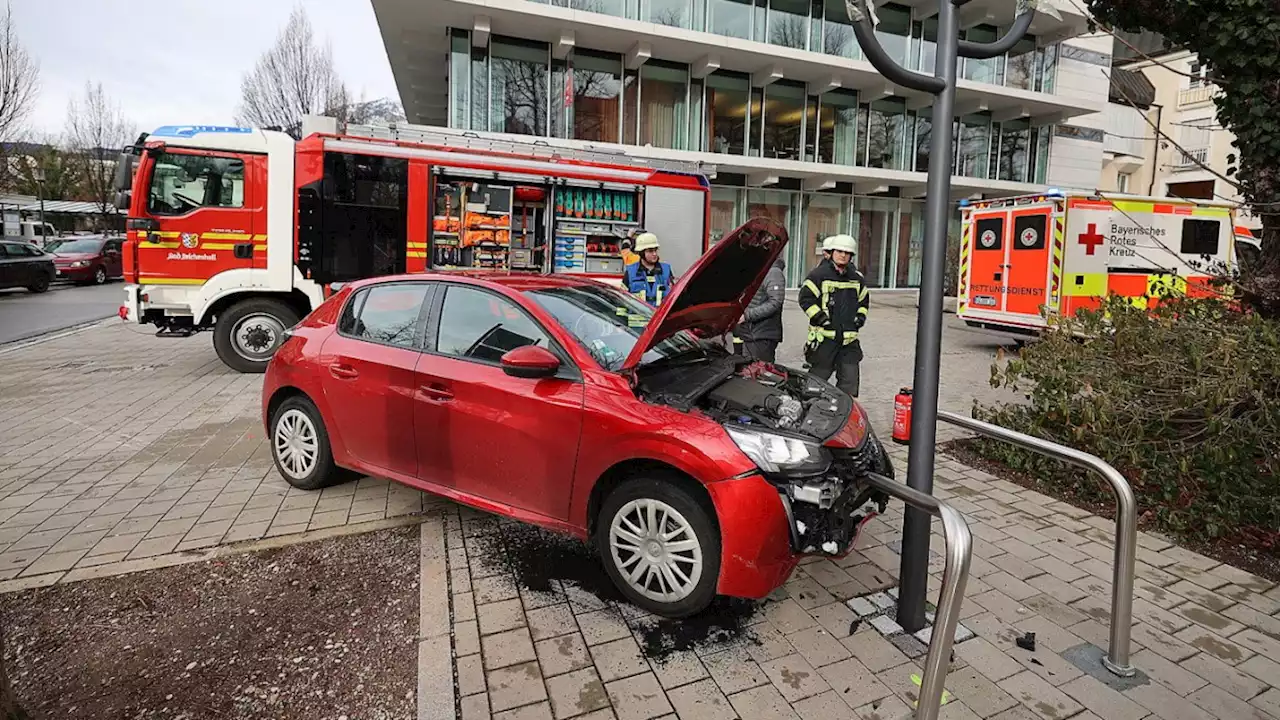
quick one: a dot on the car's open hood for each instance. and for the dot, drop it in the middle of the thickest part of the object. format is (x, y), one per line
(712, 295)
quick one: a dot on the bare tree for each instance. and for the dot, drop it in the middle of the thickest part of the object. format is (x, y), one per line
(19, 78)
(295, 77)
(95, 132)
(380, 111)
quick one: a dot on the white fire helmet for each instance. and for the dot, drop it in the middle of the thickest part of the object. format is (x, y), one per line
(840, 242)
(645, 241)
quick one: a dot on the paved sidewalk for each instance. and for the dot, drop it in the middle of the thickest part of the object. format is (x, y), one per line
(1207, 634)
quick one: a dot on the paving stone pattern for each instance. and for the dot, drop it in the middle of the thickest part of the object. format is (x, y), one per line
(116, 446)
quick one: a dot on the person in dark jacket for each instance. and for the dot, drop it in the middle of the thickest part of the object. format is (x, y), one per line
(760, 331)
(836, 300)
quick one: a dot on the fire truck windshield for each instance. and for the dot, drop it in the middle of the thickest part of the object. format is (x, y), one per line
(180, 183)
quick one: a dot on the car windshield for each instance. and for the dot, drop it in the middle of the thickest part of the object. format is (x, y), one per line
(608, 322)
(79, 246)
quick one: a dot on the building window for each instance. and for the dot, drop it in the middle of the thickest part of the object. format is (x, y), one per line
(1198, 74)
(726, 110)
(838, 127)
(731, 18)
(755, 124)
(1040, 162)
(975, 146)
(1046, 74)
(479, 89)
(675, 13)
(596, 92)
(519, 87)
(789, 23)
(887, 122)
(1014, 154)
(894, 31)
(837, 32)
(783, 118)
(984, 71)
(1021, 64)
(825, 214)
(925, 49)
(1122, 182)
(664, 105)
(725, 212)
(459, 79)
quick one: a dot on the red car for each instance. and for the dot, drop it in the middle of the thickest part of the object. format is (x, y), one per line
(88, 259)
(569, 404)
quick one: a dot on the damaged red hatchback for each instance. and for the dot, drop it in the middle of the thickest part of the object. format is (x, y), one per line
(567, 403)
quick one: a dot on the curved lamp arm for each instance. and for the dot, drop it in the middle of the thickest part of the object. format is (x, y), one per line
(860, 14)
(985, 51)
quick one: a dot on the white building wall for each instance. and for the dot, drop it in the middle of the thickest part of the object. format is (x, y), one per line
(1076, 152)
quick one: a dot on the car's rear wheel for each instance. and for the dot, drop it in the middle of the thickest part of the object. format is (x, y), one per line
(40, 285)
(300, 446)
(659, 546)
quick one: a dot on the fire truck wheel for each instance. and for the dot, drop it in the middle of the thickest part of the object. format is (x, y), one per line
(300, 446)
(248, 333)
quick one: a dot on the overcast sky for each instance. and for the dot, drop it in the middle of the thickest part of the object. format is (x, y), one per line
(180, 61)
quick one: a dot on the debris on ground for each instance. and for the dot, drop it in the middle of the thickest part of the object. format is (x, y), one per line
(315, 630)
(1027, 642)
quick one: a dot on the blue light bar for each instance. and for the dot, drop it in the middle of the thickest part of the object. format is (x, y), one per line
(186, 131)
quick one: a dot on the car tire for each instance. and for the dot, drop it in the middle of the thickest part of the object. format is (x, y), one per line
(677, 511)
(300, 446)
(100, 276)
(249, 332)
(40, 285)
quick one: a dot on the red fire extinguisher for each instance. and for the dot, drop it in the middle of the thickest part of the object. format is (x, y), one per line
(902, 417)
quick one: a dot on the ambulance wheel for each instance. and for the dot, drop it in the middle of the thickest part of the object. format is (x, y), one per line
(300, 446)
(249, 332)
(660, 546)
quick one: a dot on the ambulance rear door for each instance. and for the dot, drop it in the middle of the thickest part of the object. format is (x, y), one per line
(1008, 265)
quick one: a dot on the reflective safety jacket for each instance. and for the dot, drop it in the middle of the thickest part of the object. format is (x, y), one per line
(650, 285)
(836, 303)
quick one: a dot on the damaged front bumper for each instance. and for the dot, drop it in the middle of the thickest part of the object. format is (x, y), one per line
(826, 513)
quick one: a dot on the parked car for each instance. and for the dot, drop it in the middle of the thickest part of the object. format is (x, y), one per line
(89, 259)
(567, 403)
(23, 265)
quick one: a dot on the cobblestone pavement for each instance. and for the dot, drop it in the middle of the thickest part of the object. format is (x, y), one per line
(119, 450)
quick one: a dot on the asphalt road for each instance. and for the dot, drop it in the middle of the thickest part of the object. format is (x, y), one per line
(24, 314)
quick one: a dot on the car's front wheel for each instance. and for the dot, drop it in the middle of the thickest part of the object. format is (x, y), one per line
(300, 446)
(660, 546)
(100, 276)
(40, 285)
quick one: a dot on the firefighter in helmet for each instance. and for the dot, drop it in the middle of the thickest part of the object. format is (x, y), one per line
(836, 300)
(648, 278)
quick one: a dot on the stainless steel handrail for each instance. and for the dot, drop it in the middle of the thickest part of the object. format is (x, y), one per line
(1117, 659)
(955, 532)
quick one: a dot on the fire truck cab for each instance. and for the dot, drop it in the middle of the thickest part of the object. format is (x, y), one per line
(243, 231)
(1025, 260)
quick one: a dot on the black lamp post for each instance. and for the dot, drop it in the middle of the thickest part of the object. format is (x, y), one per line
(914, 574)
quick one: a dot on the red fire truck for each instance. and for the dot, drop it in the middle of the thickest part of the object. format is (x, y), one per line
(243, 231)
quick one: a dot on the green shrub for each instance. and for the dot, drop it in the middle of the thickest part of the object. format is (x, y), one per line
(1184, 400)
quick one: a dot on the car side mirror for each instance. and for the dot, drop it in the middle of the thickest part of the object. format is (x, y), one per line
(530, 362)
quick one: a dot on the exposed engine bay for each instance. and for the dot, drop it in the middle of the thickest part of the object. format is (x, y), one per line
(824, 499)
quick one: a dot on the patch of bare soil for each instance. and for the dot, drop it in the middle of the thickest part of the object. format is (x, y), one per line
(1263, 562)
(324, 629)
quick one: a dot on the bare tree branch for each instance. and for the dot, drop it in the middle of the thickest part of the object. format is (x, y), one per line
(295, 77)
(19, 79)
(95, 132)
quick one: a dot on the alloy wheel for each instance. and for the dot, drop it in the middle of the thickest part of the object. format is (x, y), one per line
(655, 550)
(296, 443)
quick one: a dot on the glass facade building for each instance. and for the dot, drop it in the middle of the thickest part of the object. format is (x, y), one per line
(518, 86)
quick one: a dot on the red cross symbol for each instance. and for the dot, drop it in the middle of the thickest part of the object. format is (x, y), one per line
(1092, 239)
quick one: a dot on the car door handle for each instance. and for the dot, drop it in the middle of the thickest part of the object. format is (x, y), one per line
(343, 372)
(436, 391)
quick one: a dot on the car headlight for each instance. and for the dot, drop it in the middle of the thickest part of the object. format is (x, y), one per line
(80, 264)
(780, 453)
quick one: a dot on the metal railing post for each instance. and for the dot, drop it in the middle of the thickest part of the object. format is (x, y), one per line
(955, 575)
(1117, 659)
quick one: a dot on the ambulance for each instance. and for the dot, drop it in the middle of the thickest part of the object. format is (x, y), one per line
(1025, 260)
(242, 231)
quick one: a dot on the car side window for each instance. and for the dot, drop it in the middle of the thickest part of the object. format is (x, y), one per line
(479, 325)
(112, 246)
(4, 250)
(387, 314)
